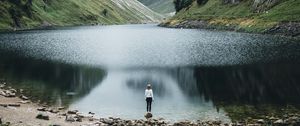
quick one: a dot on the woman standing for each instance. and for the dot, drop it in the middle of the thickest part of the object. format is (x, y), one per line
(149, 97)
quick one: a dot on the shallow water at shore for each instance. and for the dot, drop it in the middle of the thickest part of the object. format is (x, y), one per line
(196, 74)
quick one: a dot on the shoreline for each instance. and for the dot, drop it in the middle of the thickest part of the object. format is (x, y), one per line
(50, 27)
(285, 29)
(18, 110)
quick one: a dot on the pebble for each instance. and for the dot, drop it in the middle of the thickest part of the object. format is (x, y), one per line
(70, 118)
(4, 105)
(261, 121)
(107, 121)
(72, 111)
(42, 109)
(279, 121)
(14, 105)
(24, 102)
(61, 108)
(42, 116)
(91, 113)
(2, 85)
(24, 97)
(53, 111)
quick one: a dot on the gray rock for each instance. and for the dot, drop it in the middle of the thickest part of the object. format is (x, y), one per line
(78, 119)
(61, 108)
(260, 121)
(13, 90)
(80, 115)
(2, 93)
(2, 85)
(42, 109)
(9, 93)
(148, 115)
(14, 105)
(42, 116)
(70, 118)
(53, 111)
(91, 113)
(72, 111)
(24, 97)
(107, 121)
(4, 105)
(91, 119)
(24, 102)
(279, 121)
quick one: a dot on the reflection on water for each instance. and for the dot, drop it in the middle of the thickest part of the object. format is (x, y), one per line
(251, 84)
(196, 74)
(49, 82)
(122, 94)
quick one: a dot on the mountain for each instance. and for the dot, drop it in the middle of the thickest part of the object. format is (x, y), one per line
(26, 14)
(160, 6)
(259, 16)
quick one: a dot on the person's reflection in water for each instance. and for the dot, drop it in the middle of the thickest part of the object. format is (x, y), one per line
(149, 97)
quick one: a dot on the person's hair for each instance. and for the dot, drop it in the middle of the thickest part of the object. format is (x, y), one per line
(149, 86)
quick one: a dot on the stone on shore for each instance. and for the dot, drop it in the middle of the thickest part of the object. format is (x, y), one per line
(13, 90)
(279, 121)
(24, 102)
(148, 115)
(24, 97)
(14, 105)
(260, 121)
(42, 109)
(107, 121)
(53, 111)
(61, 108)
(8, 93)
(3, 93)
(72, 111)
(2, 85)
(42, 116)
(4, 105)
(91, 113)
(70, 118)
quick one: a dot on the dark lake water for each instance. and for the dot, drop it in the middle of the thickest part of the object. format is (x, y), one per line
(196, 74)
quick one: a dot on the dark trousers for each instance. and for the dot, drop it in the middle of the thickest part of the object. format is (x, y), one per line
(149, 102)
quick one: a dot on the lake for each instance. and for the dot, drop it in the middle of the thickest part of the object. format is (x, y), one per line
(196, 74)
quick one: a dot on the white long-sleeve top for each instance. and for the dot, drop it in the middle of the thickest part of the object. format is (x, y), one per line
(149, 93)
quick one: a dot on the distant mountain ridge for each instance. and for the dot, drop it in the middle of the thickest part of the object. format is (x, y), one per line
(160, 6)
(27, 14)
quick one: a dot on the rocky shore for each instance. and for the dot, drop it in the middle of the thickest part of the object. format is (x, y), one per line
(291, 29)
(16, 109)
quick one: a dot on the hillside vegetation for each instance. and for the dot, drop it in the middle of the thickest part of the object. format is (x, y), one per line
(241, 15)
(26, 14)
(160, 6)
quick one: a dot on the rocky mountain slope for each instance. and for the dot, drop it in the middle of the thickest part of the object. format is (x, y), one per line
(259, 16)
(160, 6)
(26, 14)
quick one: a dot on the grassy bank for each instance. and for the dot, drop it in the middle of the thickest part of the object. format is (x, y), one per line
(27, 14)
(244, 15)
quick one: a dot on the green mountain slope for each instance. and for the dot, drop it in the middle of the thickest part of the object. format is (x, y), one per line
(35, 13)
(160, 6)
(263, 16)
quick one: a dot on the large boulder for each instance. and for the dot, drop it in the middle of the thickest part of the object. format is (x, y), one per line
(148, 115)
